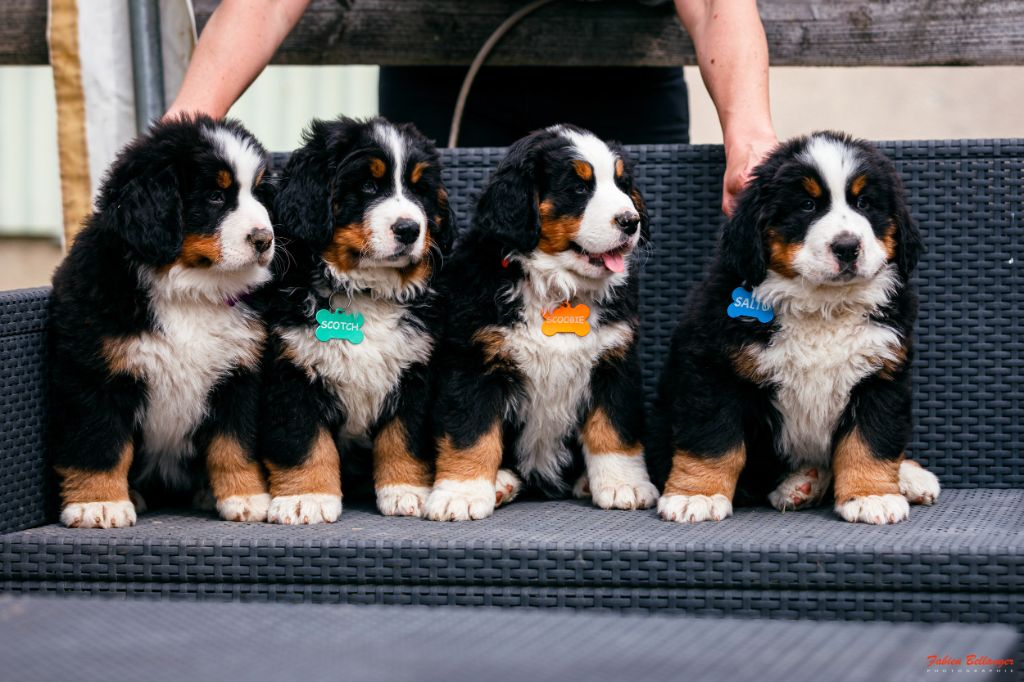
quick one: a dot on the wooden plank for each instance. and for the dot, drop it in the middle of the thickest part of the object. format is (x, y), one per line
(620, 32)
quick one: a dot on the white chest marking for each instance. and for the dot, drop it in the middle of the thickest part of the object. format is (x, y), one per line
(557, 382)
(815, 363)
(193, 345)
(362, 375)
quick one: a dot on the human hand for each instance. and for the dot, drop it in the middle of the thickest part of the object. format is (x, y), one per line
(741, 157)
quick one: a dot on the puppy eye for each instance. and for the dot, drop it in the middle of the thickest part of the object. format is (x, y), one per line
(582, 189)
(369, 187)
(808, 205)
(863, 202)
(216, 197)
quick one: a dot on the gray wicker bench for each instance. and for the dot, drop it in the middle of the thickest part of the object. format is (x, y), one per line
(962, 560)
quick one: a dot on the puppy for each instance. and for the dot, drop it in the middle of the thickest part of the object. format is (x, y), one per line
(539, 371)
(792, 361)
(354, 321)
(155, 349)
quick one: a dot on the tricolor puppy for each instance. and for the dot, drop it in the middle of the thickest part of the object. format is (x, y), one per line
(155, 349)
(365, 222)
(539, 371)
(791, 367)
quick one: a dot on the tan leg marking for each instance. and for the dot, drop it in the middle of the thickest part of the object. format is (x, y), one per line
(708, 476)
(479, 461)
(319, 473)
(82, 486)
(600, 436)
(232, 471)
(393, 464)
(858, 473)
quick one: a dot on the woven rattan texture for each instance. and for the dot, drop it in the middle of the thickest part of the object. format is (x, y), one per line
(358, 643)
(971, 541)
(967, 197)
(23, 406)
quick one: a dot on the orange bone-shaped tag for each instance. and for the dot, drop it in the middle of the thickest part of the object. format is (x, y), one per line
(566, 320)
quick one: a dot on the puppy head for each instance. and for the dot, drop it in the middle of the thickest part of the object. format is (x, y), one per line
(825, 209)
(188, 200)
(563, 203)
(368, 200)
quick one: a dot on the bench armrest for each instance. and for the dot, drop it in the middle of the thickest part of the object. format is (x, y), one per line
(23, 377)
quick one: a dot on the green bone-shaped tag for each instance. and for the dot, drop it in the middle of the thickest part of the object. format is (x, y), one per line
(339, 325)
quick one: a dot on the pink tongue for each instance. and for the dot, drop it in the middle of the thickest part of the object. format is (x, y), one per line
(613, 261)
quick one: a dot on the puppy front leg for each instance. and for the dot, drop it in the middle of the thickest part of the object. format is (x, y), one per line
(296, 444)
(464, 485)
(401, 479)
(868, 452)
(616, 473)
(236, 479)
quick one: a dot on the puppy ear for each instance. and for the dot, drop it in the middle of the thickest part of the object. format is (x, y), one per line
(148, 215)
(908, 238)
(444, 230)
(508, 208)
(641, 208)
(742, 244)
(303, 201)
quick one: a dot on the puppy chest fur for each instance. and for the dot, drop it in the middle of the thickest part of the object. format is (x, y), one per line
(192, 346)
(556, 387)
(814, 364)
(362, 376)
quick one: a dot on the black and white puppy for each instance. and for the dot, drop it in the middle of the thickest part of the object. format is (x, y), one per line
(155, 349)
(539, 370)
(791, 367)
(347, 381)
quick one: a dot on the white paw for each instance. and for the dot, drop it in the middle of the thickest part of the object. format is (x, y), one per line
(917, 484)
(581, 490)
(402, 500)
(800, 489)
(244, 507)
(120, 514)
(304, 509)
(506, 487)
(694, 508)
(460, 500)
(619, 481)
(876, 509)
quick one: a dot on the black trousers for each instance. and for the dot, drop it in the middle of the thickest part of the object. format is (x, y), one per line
(632, 105)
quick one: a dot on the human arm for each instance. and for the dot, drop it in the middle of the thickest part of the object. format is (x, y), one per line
(237, 43)
(732, 53)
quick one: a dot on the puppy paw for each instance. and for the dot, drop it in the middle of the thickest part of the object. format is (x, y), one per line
(310, 508)
(876, 509)
(800, 489)
(619, 481)
(119, 514)
(244, 507)
(917, 484)
(694, 508)
(402, 500)
(461, 500)
(506, 487)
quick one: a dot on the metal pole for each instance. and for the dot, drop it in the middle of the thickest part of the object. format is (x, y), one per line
(147, 61)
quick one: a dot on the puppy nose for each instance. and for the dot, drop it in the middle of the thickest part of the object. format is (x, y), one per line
(846, 248)
(261, 239)
(628, 221)
(406, 231)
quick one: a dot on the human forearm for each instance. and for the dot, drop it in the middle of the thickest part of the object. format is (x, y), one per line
(237, 43)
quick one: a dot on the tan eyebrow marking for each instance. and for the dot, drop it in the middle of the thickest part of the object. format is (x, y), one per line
(620, 168)
(377, 168)
(583, 169)
(417, 171)
(812, 187)
(857, 186)
(223, 179)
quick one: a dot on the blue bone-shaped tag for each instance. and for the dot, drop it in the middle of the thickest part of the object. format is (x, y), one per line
(744, 304)
(339, 325)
